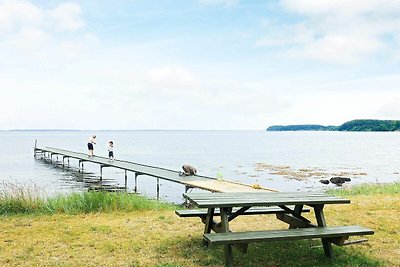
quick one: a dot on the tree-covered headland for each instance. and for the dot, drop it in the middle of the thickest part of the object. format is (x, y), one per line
(350, 126)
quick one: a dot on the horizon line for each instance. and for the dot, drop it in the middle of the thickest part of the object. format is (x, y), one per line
(86, 130)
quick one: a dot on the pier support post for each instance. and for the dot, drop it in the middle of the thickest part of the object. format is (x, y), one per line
(158, 188)
(136, 175)
(63, 161)
(186, 203)
(80, 169)
(126, 180)
(101, 173)
(34, 150)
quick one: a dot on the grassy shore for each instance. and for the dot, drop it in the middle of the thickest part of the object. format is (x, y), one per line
(152, 235)
(22, 200)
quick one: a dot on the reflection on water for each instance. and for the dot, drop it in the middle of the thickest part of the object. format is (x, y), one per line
(73, 177)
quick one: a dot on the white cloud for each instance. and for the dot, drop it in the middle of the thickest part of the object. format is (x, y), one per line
(344, 32)
(30, 33)
(342, 49)
(331, 108)
(17, 14)
(342, 7)
(172, 75)
(390, 107)
(14, 13)
(67, 17)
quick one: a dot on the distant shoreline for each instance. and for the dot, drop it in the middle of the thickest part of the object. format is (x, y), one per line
(350, 126)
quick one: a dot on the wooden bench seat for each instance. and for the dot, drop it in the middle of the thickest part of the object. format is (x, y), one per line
(289, 234)
(252, 211)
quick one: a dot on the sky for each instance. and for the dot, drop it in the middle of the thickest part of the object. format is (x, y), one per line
(197, 64)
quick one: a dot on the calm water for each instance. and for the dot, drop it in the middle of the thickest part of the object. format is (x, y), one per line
(235, 154)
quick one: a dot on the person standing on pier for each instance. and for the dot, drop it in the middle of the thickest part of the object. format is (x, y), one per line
(110, 148)
(91, 142)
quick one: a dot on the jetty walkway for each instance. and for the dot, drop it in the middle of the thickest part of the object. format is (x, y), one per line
(195, 181)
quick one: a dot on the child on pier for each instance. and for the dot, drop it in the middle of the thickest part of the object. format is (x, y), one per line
(91, 142)
(110, 148)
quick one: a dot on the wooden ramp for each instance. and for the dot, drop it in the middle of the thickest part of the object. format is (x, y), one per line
(196, 181)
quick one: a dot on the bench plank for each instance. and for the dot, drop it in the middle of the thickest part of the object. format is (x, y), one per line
(251, 211)
(241, 199)
(289, 234)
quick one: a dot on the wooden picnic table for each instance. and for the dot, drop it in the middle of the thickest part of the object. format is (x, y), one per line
(288, 207)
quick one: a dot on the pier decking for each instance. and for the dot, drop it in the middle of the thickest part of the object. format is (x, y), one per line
(196, 181)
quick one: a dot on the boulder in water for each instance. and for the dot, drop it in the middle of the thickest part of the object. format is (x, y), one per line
(339, 180)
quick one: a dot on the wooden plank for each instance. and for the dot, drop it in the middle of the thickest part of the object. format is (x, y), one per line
(224, 186)
(251, 211)
(262, 199)
(203, 182)
(287, 234)
(265, 202)
(126, 165)
(258, 197)
(209, 220)
(230, 196)
(225, 229)
(293, 221)
(319, 215)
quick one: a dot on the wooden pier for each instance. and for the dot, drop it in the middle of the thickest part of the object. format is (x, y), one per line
(195, 181)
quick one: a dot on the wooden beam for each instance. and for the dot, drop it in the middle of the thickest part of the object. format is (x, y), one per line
(293, 221)
(319, 215)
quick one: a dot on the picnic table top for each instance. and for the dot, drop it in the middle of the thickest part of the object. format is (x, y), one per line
(242, 199)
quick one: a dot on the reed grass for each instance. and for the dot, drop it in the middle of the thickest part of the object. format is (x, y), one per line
(19, 198)
(368, 189)
(26, 199)
(102, 202)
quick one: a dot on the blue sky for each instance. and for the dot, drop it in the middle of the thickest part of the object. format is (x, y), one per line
(200, 64)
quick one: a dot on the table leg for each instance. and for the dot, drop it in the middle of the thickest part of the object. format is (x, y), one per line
(297, 210)
(225, 229)
(208, 223)
(294, 217)
(319, 215)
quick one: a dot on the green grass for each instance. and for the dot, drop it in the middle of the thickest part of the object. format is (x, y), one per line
(368, 189)
(102, 202)
(283, 253)
(160, 239)
(27, 200)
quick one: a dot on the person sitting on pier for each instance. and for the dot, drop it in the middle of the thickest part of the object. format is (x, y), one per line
(110, 148)
(188, 170)
(91, 142)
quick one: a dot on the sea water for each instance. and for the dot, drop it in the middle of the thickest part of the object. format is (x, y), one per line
(234, 155)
